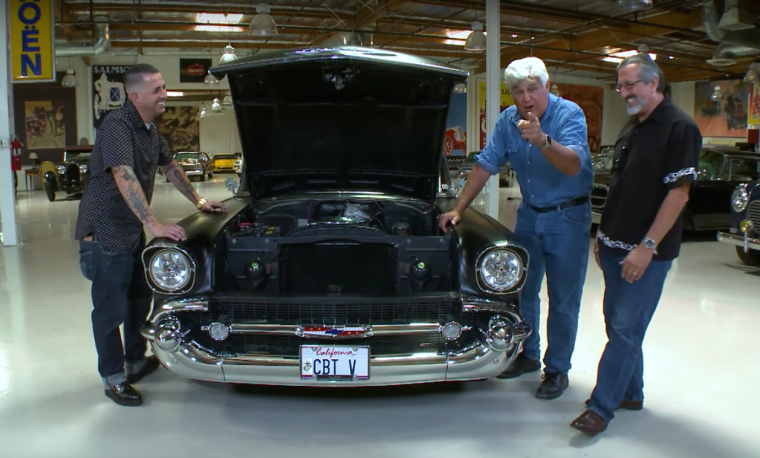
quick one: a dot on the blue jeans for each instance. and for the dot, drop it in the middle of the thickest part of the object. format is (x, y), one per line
(558, 242)
(120, 294)
(628, 309)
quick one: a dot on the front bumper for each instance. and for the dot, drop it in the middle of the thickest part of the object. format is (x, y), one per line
(744, 241)
(193, 172)
(188, 359)
(596, 218)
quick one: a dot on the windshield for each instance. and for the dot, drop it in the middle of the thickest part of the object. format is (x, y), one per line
(742, 169)
(186, 156)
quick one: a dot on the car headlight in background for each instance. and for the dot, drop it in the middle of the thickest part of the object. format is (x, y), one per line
(61, 169)
(82, 168)
(499, 270)
(171, 270)
(739, 198)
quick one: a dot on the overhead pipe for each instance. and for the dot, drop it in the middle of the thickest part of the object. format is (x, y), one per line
(101, 46)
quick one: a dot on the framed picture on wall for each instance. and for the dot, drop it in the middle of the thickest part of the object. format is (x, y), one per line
(45, 119)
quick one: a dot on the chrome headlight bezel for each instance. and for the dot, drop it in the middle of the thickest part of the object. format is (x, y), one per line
(149, 255)
(740, 198)
(519, 253)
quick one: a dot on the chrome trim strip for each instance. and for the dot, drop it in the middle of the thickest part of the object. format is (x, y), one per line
(375, 330)
(743, 241)
(163, 246)
(196, 304)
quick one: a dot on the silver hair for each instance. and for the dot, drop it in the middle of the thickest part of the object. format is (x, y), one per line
(528, 68)
(648, 69)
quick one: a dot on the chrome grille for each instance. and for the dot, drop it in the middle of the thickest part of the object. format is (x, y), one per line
(753, 213)
(599, 197)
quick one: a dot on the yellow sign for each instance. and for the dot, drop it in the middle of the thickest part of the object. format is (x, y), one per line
(32, 41)
(506, 101)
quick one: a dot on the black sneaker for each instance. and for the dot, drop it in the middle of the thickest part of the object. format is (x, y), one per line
(553, 386)
(124, 395)
(521, 365)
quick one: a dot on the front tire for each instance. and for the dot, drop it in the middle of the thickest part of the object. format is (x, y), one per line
(750, 258)
(50, 191)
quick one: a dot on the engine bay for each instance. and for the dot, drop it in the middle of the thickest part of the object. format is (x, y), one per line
(312, 216)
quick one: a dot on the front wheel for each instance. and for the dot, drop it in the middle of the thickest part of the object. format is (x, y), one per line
(750, 258)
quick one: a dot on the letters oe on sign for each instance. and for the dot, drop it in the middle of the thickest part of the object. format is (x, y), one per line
(32, 41)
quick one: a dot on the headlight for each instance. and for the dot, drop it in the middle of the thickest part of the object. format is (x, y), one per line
(83, 168)
(500, 270)
(61, 169)
(739, 198)
(170, 269)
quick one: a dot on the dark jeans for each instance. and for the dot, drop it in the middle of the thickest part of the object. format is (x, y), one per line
(628, 309)
(120, 294)
(558, 242)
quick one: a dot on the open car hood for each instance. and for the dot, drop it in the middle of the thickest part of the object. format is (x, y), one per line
(344, 118)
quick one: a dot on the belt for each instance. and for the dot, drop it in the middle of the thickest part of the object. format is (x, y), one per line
(563, 205)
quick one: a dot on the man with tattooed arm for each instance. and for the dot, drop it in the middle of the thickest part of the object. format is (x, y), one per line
(114, 210)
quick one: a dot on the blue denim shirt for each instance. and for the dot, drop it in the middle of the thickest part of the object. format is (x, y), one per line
(542, 184)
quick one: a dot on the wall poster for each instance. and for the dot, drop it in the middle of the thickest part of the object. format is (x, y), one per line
(455, 138)
(722, 118)
(180, 128)
(591, 101)
(107, 90)
(506, 102)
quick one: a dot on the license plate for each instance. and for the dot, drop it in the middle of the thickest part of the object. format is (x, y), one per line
(334, 363)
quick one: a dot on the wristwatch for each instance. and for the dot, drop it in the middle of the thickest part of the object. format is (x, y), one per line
(547, 142)
(201, 203)
(649, 243)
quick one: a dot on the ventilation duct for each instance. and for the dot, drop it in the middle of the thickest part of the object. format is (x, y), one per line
(64, 50)
(733, 30)
(363, 39)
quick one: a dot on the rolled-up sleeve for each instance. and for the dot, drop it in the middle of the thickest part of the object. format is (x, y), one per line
(573, 134)
(494, 155)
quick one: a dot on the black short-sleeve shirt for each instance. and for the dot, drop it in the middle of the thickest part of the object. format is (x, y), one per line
(651, 158)
(123, 139)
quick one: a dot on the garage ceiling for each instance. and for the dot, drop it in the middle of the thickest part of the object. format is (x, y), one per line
(575, 36)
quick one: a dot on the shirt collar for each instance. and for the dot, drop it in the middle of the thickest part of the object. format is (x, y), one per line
(659, 112)
(133, 115)
(551, 108)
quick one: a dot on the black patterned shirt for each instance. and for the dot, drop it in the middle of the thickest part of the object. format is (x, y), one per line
(123, 139)
(651, 158)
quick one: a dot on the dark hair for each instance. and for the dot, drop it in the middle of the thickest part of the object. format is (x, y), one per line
(648, 69)
(133, 79)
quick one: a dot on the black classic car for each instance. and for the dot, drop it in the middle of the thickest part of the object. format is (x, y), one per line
(721, 170)
(745, 223)
(329, 267)
(71, 175)
(195, 164)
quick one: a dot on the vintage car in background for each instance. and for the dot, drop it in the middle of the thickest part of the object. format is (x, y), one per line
(464, 169)
(195, 164)
(70, 176)
(239, 166)
(329, 267)
(224, 162)
(721, 169)
(745, 223)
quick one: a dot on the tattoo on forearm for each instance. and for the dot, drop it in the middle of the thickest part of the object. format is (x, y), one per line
(178, 177)
(133, 194)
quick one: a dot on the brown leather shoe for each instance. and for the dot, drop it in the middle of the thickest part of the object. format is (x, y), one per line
(590, 423)
(627, 405)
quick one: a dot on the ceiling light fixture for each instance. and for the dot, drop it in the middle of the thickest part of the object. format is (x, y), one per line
(753, 74)
(210, 80)
(69, 80)
(218, 18)
(229, 55)
(476, 41)
(263, 24)
(634, 5)
(460, 88)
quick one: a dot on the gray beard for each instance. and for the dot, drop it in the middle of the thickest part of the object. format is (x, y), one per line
(634, 110)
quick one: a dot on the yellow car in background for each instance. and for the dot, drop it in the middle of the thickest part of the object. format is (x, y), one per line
(224, 162)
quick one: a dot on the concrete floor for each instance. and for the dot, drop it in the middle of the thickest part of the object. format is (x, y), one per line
(700, 357)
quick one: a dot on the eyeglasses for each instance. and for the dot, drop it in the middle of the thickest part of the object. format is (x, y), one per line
(629, 85)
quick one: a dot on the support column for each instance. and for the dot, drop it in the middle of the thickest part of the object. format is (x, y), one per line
(7, 189)
(493, 93)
